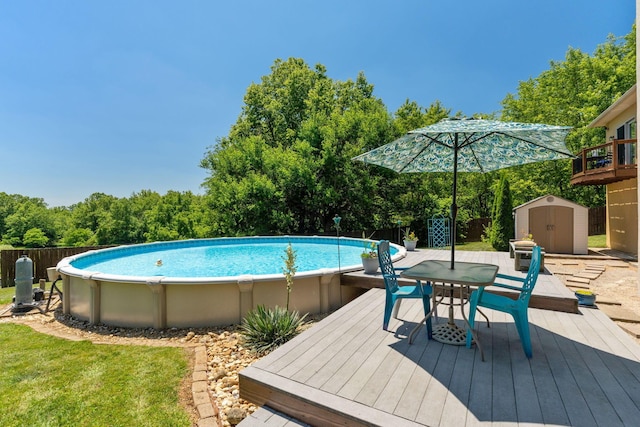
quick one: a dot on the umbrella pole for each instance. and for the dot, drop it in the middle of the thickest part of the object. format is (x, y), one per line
(454, 206)
(454, 214)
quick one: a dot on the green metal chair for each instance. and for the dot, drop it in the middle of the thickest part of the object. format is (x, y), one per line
(395, 293)
(517, 308)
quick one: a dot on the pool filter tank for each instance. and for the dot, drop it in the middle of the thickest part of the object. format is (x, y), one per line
(24, 281)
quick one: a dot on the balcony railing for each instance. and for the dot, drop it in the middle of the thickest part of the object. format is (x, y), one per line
(606, 163)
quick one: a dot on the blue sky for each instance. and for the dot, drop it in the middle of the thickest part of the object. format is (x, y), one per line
(123, 96)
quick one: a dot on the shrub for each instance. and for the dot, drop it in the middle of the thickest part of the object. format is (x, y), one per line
(265, 329)
(79, 237)
(35, 238)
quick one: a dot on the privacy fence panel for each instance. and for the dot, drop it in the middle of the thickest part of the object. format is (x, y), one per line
(597, 220)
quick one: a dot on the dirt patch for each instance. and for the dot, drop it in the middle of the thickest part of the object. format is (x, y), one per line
(615, 286)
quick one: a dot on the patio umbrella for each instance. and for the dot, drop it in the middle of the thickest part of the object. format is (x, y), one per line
(470, 145)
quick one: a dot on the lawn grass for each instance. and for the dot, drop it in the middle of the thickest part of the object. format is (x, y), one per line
(475, 246)
(7, 294)
(51, 381)
(598, 241)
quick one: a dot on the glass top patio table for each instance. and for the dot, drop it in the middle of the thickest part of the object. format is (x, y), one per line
(462, 276)
(464, 273)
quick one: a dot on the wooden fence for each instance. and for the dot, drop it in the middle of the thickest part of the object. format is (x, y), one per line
(475, 229)
(597, 220)
(42, 259)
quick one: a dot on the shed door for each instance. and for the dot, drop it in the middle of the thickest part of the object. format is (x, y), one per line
(552, 228)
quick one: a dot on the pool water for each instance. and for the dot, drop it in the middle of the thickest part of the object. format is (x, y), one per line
(222, 257)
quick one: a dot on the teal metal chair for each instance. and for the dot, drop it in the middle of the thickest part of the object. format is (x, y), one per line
(395, 293)
(517, 308)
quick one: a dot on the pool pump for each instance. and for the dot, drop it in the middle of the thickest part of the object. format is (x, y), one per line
(23, 300)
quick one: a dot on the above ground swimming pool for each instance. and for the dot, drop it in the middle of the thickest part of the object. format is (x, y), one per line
(207, 282)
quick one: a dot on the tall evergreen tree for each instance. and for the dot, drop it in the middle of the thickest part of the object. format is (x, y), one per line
(502, 224)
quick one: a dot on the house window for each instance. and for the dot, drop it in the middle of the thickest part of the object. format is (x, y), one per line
(627, 151)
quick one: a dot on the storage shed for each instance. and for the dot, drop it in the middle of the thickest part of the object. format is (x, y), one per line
(556, 224)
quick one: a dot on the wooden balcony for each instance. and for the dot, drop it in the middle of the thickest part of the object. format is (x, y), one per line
(606, 163)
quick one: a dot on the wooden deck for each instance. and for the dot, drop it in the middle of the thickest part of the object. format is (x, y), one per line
(549, 293)
(347, 371)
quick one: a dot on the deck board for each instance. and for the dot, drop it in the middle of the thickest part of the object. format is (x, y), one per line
(346, 370)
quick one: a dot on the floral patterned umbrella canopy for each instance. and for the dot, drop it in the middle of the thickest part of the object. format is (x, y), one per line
(470, 145)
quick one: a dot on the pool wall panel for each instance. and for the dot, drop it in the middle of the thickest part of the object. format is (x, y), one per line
(79, 298)
(126, 304)
(202, 305)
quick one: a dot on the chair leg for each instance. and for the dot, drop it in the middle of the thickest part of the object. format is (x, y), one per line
(427, 308)
(396, 308)
(389, 302)
(522, 325)
(473, 305)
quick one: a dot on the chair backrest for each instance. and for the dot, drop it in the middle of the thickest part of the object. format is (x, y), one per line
(532, 274)
(386, 266)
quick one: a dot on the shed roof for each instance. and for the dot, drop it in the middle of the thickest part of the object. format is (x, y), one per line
(544, 197)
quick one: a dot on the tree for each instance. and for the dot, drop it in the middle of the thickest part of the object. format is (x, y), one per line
(286, 165)
(35, 238)
(175, 216)
(30, 214)
(78, 237)
(502, 224)
(572, 92)
(92, 212)
(9, 203)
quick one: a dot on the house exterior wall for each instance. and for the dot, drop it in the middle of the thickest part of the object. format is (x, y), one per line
(622, 215)
(580, 220)
(618, 121)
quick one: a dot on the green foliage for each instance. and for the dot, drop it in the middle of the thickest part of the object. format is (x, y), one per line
(572, 92)
(35, 238)
(502, 225)
(27, 214)
(265, 329)
(285, 167)
(50, 381)
(75, 237)
(289, 269)
(370, 247)
(409, 235)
